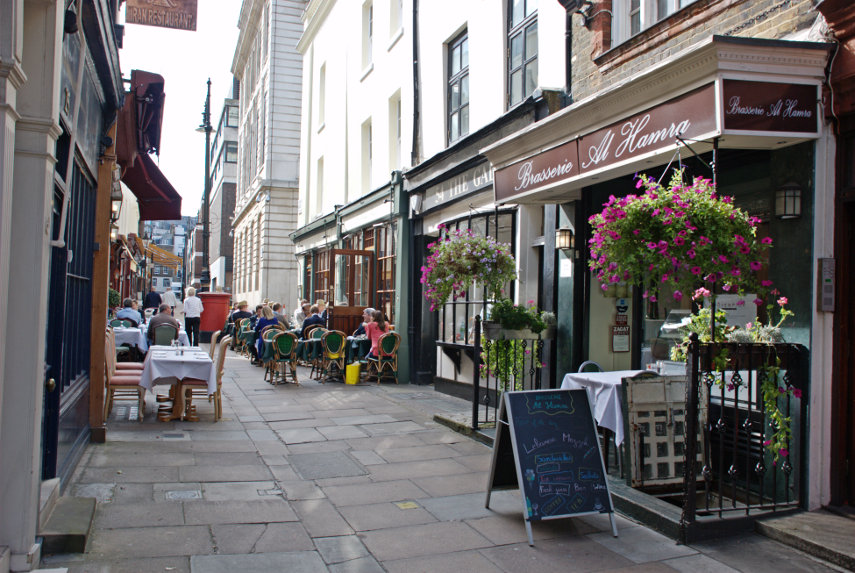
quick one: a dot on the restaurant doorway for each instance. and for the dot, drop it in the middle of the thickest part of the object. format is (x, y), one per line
(351, 287)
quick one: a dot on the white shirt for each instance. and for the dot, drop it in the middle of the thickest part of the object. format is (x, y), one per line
(193, 307)
(168, 297)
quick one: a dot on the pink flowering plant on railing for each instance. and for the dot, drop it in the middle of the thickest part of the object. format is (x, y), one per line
(462, 258)
(682, 236)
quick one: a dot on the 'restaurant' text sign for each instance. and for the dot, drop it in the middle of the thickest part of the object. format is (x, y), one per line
(765, 106)
(177, 14)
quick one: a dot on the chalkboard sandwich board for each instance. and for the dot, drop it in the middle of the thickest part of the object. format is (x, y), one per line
(546, 445)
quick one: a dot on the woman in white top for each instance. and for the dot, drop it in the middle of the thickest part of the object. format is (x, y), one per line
(192, 315)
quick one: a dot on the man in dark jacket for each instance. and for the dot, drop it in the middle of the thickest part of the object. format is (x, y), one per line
(315, 318)
(152, 299)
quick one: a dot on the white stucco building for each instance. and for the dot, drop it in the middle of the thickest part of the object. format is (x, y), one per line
(269, 70)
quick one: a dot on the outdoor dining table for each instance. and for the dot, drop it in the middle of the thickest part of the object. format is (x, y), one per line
(131, 336)
(166, 365)
(604, 394)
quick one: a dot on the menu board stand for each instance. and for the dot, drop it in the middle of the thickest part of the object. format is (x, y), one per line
(547, 445)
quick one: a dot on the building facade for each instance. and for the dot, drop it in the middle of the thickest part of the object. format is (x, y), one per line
(673, 84)
(224, 154)
(269, 69)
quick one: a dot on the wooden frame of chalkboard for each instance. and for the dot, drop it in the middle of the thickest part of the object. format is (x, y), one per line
(551, 451)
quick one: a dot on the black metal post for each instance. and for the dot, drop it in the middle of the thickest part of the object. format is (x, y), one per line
(206, 127)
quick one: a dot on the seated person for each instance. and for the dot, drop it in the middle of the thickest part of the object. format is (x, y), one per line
(322, 308)
(375, 329)
(301, 313)
(267, 319)
(253, 320)
(315, 318)
(367, 316)
(163, 316)
(239, 314)
(128, 312)
(280, 315)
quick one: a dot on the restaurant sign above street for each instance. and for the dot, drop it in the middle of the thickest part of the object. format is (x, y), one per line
(176, 14)
(736, 107)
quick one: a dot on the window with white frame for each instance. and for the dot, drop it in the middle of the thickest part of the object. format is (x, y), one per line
(522, 50)
(395, 131)
(632, 17)
(322, 94)
(396, 16)
(366, 156)
(458, 88)
(367, 34)
(319, 187)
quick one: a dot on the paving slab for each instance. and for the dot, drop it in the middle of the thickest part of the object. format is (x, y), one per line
(361, 494)
(340, 548)
(384, 516)
(76, 564)
(292, 562)
(422, 540)
(469, 561)
(237, 490)
(300, 436)
(261, 511)
(321, 519)
(325, 465)
(113, 515)
(138, 542)
(411, 470)
(698, 563)
(361, 565)
(640, 545)
(221, 473)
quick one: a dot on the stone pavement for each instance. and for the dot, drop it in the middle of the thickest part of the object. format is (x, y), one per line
(328, 477)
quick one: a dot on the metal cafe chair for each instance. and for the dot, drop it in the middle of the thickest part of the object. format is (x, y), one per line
(387, 358)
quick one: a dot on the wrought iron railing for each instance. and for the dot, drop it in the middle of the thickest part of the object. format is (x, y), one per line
(499, 366)
(738, 475)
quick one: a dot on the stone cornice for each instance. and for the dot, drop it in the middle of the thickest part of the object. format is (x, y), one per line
(248, 24)
(13, 72)
(717, 56)
(313, 17)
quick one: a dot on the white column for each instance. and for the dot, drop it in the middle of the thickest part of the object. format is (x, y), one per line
(32, 188)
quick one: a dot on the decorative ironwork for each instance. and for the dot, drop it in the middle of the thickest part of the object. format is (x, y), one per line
(741, 477)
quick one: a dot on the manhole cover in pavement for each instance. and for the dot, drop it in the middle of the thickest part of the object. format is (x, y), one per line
(185, 494)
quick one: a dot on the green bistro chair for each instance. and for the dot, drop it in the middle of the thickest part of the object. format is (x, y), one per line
(285, 347)
(268, 354)
(164, 334)
(387, 358)
(246, 337)
(333, 354)
(121, 322)
(315, 351)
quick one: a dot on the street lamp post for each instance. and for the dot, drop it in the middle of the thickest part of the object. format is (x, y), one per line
(206, 128)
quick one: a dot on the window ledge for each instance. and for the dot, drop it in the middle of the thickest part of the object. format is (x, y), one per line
(367, 71)
(394, 39)
(322, 126)
(659, 33)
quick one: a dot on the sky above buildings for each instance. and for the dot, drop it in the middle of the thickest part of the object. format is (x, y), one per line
(186, 60)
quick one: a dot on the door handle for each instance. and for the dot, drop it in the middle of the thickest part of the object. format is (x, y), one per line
(50, 385)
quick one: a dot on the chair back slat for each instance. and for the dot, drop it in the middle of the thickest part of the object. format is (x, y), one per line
(285, 344)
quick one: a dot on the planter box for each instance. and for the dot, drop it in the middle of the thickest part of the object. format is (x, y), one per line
(495, 331)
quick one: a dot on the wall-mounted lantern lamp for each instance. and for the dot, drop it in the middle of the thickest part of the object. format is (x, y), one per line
(115, 201)
(565, 240)
(788, 201)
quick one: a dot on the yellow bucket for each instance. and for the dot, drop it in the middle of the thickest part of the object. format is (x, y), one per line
(351, 373)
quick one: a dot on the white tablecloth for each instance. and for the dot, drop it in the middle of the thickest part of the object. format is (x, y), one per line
(182, 335)
(132, 336)
(163, 365)
(604, 392)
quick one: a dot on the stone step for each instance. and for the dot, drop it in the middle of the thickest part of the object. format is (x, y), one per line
(69, 525)
(819, 533)
(5, 558)
(48, 496)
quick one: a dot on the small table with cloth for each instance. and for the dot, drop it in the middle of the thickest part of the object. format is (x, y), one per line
(165, 365)
(604, 394)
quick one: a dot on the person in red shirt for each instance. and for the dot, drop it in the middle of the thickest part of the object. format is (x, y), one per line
(375, 329)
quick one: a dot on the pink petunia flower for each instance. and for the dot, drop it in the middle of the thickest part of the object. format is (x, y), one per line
(782, 301)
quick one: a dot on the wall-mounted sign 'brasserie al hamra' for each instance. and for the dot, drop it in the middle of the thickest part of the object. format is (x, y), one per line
(745, 108)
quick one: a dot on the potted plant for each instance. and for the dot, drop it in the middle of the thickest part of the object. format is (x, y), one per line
(462, 259)
(513, 321)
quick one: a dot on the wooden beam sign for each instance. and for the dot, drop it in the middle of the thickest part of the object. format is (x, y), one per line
(176, 14)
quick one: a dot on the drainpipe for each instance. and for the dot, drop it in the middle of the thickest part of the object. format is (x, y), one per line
(414, 154)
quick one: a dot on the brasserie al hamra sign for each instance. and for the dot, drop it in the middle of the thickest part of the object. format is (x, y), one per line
(738, 107)
(177, 14)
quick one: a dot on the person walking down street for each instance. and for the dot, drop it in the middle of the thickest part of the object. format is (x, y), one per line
(162, 317)
(192, 315)
(168, 298)
(152, 299)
